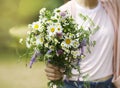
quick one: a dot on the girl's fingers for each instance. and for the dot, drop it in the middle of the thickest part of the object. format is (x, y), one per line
(51, 78)
(53, 72)
(52, 66)
(53, 75)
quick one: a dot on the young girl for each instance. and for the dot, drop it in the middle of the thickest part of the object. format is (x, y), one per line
(103, 64)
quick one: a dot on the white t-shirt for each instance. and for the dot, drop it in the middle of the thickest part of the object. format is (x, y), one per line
(98, 63)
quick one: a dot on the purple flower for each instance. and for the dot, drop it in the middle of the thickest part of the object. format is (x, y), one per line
(49, 61)
(63, 13)
(35, 55)
(49, 51)
(59, 52)
(82, 50)
(59, 35)
(84, 41)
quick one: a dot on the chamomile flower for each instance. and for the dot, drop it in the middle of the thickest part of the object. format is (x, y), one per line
(46, 45)
(76, 44)
(83, 56)
(56, 41)
(36, 25)
(51, 30)
(39, 40)
(51, 47)
(78, 34)
(75, 53)
(28, 43)
(59, 28)
(57, 12)
(42, 10)
(21, 41)
(67, 42)
(49, 22)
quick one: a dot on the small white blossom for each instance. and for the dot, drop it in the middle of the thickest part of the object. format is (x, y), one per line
(59, 28)
(42, 10)
(46, 45)
(76, 44)
(21, 41)
(28, 44)
(51, 47)
(39, 40)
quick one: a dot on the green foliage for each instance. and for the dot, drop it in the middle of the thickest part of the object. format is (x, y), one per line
(16, 14)
(29, 9)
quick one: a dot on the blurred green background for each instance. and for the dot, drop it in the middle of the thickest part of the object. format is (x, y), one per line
(15, 15)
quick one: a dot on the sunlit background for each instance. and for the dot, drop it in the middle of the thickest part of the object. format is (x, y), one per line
(15, 15)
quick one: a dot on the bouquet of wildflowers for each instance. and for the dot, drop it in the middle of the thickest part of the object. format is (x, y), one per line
(57, 39)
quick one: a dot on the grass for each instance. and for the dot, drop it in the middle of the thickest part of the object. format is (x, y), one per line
(14, 74)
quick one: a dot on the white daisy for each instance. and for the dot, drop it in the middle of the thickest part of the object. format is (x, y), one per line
(59, 28)
(21, 41)
(51, 47)
(51, 30)
(42, 10)
(39, 40)
(75, 53)
(28, 44)
(49, 22)
(46, 45)
(67, 42)
(37, 26)
(57, 12)
(76, 44)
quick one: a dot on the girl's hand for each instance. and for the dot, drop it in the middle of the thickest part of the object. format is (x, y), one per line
(53, 72)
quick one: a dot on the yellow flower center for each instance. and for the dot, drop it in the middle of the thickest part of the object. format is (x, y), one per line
(52, 47)
(58, 29)
(41, 39)
(67, 41)
(52, 29)
(36, 26)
